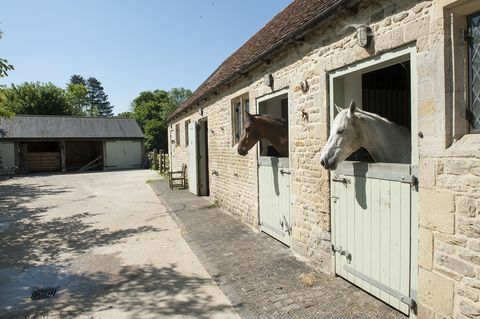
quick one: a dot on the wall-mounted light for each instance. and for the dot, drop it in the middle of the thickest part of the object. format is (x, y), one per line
(268, 79)
(364, 34)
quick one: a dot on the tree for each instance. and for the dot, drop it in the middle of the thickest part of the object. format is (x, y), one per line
(77, 96)
(77, 79)
(127, 114)
(36, 98)
(4, 68)
(151, 108)
(99, 104)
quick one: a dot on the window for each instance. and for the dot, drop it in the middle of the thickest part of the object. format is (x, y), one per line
(473, 39)
(239, 106)
(187, 122)
(177, 134)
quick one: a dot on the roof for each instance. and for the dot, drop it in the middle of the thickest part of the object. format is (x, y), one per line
(286, 25)
(37, 126)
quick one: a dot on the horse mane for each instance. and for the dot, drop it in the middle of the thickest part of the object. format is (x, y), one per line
(377, 117)
(278, 120)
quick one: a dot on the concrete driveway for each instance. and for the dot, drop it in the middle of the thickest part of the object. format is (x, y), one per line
(108, 245)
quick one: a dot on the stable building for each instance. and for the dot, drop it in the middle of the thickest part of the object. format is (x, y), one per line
(408, 234)
(68, 144)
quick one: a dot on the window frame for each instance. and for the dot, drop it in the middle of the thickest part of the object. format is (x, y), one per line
(177, 134)
(187, 123)
(239, 106)
(472, 128)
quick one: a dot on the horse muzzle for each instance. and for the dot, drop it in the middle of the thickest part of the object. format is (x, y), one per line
(242, 151)
(328, 164)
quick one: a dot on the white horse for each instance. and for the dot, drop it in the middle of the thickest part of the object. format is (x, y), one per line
(353, 129)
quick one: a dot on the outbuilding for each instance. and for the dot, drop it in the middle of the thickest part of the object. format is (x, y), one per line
(67, 144)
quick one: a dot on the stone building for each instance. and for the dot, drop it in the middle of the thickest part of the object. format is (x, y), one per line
(408, 234)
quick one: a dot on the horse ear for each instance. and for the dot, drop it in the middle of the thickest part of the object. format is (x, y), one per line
(352, 108)
(248, 117)
(339, 109)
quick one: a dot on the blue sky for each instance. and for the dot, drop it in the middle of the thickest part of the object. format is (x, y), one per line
(130, 46)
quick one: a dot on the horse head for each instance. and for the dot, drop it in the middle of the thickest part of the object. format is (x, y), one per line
(250, 135)
(344, 138)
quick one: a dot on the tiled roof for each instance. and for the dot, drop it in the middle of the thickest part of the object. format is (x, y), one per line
(285, 25)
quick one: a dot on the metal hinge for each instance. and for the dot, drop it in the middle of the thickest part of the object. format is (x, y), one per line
(284, 223)
(342, 252)
(405, 299)
(467, 36)
(285, 171)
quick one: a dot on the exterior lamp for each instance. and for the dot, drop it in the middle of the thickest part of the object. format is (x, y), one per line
(364, 34)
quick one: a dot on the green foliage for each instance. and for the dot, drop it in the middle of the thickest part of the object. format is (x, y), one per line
(127, 114)
(77, 79)
(151, 108)
(99, 104)
(77, 96)
(36, 98)
(4, 68)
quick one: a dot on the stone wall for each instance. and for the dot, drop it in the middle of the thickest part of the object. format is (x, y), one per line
(449, 197)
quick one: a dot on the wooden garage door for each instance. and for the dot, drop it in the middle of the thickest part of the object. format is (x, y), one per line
(124, 154)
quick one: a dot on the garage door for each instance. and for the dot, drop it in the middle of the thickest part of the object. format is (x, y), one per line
(124, 154)
(7, 154)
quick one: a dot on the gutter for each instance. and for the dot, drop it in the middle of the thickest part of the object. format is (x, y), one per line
(301, 31)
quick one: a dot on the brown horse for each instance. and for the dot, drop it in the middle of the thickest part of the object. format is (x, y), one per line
(259, 127)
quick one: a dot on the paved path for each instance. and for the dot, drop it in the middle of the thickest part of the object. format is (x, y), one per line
(258, 274)
(109, 245)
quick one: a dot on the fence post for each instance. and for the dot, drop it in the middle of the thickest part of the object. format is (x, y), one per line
(155, 159)
(162, 162)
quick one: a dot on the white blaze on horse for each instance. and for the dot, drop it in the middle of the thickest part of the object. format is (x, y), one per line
(352, 129)
(259, 127)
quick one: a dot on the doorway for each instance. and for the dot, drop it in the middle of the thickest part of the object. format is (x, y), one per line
(198, 166)
(374, 205)
(274, 174)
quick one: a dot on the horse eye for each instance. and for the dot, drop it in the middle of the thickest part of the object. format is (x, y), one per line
(340, 131)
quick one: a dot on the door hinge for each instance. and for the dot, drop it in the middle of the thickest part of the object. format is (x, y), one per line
(285, 171)
(284, 224)
(403, 298)
(342, 252)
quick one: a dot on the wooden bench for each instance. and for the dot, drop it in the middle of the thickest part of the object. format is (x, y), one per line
(178, 176)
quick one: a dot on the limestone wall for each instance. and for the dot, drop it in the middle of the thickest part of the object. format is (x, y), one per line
(449, 207)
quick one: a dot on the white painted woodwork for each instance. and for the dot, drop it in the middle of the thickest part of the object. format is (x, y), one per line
(7, 153)
(123, 154)
(192, 158)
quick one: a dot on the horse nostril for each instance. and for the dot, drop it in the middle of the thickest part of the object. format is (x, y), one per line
(322, 162)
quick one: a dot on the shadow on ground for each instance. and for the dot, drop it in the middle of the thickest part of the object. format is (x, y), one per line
(31, 257)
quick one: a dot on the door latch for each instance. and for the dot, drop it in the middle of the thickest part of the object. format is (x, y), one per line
(284, 171)
(342, 180)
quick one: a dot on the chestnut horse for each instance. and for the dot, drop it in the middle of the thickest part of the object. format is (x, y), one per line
(259, 127)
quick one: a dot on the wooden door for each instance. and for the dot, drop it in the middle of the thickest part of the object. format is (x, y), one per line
(192, 158)
(372, 217)
(274, 197)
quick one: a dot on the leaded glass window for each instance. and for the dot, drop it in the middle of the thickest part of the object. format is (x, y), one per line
(473, 37)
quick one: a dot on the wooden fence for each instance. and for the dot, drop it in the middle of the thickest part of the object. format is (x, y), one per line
(159, 161)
